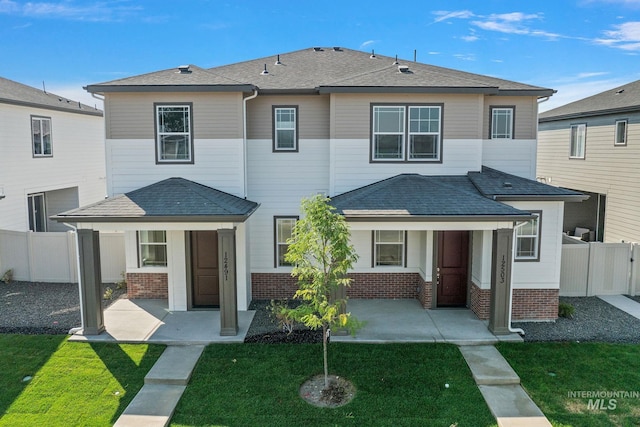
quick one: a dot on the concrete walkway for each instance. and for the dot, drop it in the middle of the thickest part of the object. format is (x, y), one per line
(500, 387)
(623, 303)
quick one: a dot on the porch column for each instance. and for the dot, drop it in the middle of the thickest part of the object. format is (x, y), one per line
(501, 281)
(227, 274)
(90, 282)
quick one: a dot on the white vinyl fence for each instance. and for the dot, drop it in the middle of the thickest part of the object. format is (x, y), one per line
(595, 268)
(51, 257)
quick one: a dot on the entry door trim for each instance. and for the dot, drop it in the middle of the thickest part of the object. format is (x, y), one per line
(465, 250)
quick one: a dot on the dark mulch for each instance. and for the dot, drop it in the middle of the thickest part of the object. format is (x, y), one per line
(264, 328)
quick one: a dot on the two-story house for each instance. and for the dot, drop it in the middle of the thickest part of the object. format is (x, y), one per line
(52, 157)
(591, 145)
(433, 168)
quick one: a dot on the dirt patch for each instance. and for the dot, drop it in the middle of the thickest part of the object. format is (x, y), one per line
(339, 393)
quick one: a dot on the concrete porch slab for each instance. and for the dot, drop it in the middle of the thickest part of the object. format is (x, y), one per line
(488, 366)
(175, 365)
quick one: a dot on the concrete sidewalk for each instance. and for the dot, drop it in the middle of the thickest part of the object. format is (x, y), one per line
(623, 303)
(500, 387)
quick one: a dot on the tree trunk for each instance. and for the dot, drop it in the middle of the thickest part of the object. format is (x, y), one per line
(326, 363)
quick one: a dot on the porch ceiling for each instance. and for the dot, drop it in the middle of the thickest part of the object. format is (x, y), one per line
(171, 200)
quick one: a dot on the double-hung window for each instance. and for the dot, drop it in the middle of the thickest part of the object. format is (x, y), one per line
(285, 128)
(578, 141)
(528, 240)
(283, 232)
(502, 122)
(621, 132)
(174, 134)
(152, 250)
(406, 133)
(41, 136)
(389, 248)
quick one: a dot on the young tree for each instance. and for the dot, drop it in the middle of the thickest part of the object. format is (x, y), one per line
(321, 255)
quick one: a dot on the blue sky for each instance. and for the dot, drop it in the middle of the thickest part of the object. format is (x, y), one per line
(578, 47)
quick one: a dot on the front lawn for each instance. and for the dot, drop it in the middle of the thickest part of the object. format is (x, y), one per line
(72, 384)
(574, 383)
(396, 384)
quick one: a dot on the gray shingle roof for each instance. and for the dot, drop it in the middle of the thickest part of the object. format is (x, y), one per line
(412, 195)
(170, 200)
(19, 94)
(503, 186)
(621, 99)
(330, 70)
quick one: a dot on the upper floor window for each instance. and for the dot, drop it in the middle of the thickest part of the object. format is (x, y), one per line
(174, 143)
(285, 128)
(528, 240)
(502, 122)
(152, 248)
(389, 248)
(621, 132)
(283, 232)
(578, 141)
(398, 136)
(41, 136)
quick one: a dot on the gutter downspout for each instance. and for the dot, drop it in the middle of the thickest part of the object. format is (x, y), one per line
(513, 256)
(244, 138)
(73, 331)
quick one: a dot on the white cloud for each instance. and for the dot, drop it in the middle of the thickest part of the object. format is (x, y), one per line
(470, 38)
(465, 56)
(574, 91)
(367, 43)
(94, 12)
(511, 23)
(624, 36)
(591, 74)
(443, 15)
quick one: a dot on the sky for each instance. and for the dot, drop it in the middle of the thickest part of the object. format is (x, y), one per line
(577, 47)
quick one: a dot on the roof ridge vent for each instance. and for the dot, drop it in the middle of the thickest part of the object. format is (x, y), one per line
(317, 49)
(373, 54)
(264, 72)
(403, 68)
(277, 61)
(184, 69)
(507, 184)
(618, 92)
(396, 61)
(337, 49)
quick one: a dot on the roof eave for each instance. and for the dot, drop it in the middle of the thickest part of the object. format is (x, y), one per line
(542, 92)
(541, 197)
(92, 112)
(593, 113)
(408, 89)
(437, 218)
(169, 88)
(152, 219)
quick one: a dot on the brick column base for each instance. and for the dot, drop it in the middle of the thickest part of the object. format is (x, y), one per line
(147, 286)
(535, 304)
(425, 293)
(480, 301)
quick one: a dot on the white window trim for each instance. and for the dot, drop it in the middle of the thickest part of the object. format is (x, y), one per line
(626, 127)
(293, 108)
(403, 252)
(537, 242)
(579, 129)
(277, 243)
(511, 110)
(141, 244)
(160, 134)
(438, 134)
(41, 119)
(375, 133)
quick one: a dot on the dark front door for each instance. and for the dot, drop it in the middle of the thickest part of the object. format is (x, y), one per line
(204, 268)
(453, 261)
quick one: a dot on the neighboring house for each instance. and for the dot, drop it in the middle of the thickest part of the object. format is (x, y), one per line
(52, 157)
(593, 146)
(433, 168)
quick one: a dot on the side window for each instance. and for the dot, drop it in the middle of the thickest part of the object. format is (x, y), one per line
(578, 141)
(37, 212)
(528, 240)
(389, 248)
(174, 138)
(41, 136)
(152, 248)
(285, 128)
(283, 231)
(621, 132)
(502, 119)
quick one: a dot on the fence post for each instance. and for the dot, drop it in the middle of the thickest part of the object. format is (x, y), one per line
(30, 261)
(635, 264)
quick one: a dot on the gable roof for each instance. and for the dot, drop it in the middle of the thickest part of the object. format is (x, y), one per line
(19, 94)
(170, 200)
(425, 198)
(324, 70)
(618, 100)
(500, 185)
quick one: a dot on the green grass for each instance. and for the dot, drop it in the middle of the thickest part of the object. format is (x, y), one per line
(74, 384)
(550, 371)
(397, 384)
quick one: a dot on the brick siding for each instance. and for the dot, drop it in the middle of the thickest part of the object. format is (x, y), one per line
(147, 285)
(480, 301)
(527, 304)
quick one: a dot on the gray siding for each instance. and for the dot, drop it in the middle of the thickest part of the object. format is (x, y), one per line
(526, 114)
(606, 169)
(215, 115)
(313, 115)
